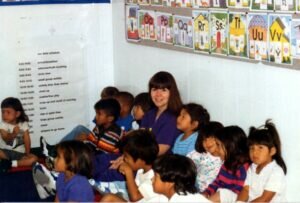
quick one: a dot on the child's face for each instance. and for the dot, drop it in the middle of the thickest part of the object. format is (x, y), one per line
(134, 165)
(210, 145)
(261, 154)
(138, 112)
(221, 151)
(184, 121)
(160, 97)
(102, 118)
(59, 162)
(9, 115)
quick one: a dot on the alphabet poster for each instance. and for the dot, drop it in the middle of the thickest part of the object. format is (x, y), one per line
(132, 23)
(258, 36)
(262, 5)
(201, 3)
(164, 28)
(183, 31)
(147, 25)
(184, 3)
(218, 3)
(144, 2)
(238, 3)
(201, 31)
(238, 34)
(285, 5)
(280, 38)
(296, 38)
(131, 1)
(219, 35)
(156, 2)
(171, 3)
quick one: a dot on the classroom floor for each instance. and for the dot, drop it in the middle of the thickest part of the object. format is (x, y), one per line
(18, 186)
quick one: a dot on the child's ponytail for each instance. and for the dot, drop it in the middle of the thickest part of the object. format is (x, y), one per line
(277, 144)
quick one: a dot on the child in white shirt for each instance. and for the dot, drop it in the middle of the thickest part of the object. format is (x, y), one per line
(139, 149)
(14, 134)
(265, 180)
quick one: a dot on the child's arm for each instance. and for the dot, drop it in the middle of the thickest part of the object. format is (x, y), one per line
(27, 142)
(244, 194)
(133, 191)
(267, 196)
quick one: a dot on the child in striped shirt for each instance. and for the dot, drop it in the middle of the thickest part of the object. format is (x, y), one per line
(233, 150)
(192, 117)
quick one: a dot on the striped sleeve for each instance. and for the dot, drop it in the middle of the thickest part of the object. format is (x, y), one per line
(226, 179)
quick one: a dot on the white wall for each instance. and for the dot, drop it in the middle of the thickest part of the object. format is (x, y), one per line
(235, 93)
(88, 25)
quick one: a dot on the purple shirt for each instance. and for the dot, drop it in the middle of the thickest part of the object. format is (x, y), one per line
(164, 128)
(77, 189)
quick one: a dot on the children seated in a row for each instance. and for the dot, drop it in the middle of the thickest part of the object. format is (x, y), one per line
(265, 180)
(191, 119)
(14, 135)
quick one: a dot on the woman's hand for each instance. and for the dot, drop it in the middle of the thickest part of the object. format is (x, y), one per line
(115, 164)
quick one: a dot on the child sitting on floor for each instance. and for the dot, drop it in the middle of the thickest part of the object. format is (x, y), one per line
(73, 162)
(14, 134)
(141, 105)
(125, 100)
(192, 117)
(105, 135)
(266, 181)
(205, 156)
(139, 150)
(175, 177)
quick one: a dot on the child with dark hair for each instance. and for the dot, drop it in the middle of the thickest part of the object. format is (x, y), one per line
(14, 134)
(141, 105)
(105, 135)
(205, 156)
(266, 181)
(109, 92)
(125, 100)
(139, 149)
(175, 177)
(233, 150)
(73, 162)
(192, 117)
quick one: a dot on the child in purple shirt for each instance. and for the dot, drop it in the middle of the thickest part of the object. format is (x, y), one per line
(74, 165)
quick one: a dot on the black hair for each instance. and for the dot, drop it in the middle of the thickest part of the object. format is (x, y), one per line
(125, 98)
(109, 92)
(140, 144)
(197, 113)
(77, 156)
(161, 80)
(144, 101)
(234, 140)
(209, 130)
(179, 170)
(15, 104)
(110, 106)
(267, 135)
